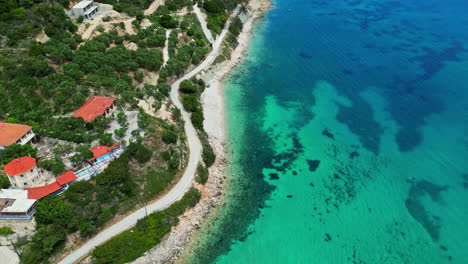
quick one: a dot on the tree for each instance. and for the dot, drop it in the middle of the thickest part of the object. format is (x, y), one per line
(120, 132)
(187, 86)
(143, 154)
(53, 210)
(106, 139)
(55, 165)
(82, 153)
(139, 16)
(197, 120)
(167, 21)
(5, 231)
(169, 137)
(115, 173)
(4, 182)
(202, 174)
(164, 88)
(16, 151)
(73, 70)
(190, 103)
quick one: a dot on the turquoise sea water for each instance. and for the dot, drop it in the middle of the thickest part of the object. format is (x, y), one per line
(348, 137)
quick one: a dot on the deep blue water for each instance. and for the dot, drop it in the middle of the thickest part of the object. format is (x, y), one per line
(348, 137)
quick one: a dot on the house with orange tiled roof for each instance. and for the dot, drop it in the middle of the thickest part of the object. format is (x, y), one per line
(14, 134)
(23, 172)
(96, 106)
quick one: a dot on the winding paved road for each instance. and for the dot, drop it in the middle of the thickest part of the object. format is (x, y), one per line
(187, 178)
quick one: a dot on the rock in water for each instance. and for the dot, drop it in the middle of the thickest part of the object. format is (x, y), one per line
(313, 164)
(274, 176)
(327, 133)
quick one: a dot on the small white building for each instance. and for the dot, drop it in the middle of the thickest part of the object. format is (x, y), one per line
(86, 8)
(15, 205)
(23, 172)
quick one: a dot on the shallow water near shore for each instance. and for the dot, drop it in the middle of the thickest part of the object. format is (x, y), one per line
(347, 131)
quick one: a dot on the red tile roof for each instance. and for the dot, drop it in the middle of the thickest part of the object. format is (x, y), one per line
(10, 133)
(95, 107)
(101, 150)
(19, 165)
(40, 192)
(66, 177)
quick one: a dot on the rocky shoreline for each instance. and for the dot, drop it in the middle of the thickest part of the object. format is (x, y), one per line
(178, 242)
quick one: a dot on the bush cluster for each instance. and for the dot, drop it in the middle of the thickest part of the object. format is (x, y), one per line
(148, 232)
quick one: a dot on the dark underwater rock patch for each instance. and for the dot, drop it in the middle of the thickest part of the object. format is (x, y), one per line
(415, 206)
(313, 164)
(305, 55)
(354, 154)
(465, 181)
(274, 176)
(289, 196)
(327, 133)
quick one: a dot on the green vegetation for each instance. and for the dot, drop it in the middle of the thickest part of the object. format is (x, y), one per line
(5, 231)
(116, 173)
(191, 92)
(55, 165)
(148, 232)
(130, 7)
(202, 174)
(16, 151)
(217, 11)
(42, 83)
(20, 20)
(169, 137)
(208, 155)
(125, 184)
(143, 154)
(82, 153)
(4, 182)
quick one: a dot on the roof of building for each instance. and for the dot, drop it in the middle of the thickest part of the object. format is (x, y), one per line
(19, 165)
(101, 150)
(95, 107)
(83, 4)
(15, 201)
(42, 191)
(10, 133)
(66, 177)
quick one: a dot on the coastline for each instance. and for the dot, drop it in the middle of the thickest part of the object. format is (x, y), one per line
(177, 244)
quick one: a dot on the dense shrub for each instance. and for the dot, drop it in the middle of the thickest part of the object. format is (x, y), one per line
(202, 174)
(208, 154)
(115, 173)
(169, 137)
(190, 103)
(55, 165)
(4, 182)
(197, 120)
(149, 231)
(5, 231)
(16, 151)
(143, 154)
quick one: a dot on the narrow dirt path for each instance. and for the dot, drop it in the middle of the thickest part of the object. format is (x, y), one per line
(203, 23)
(166, 48)
(153, 7)
(129, 26)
